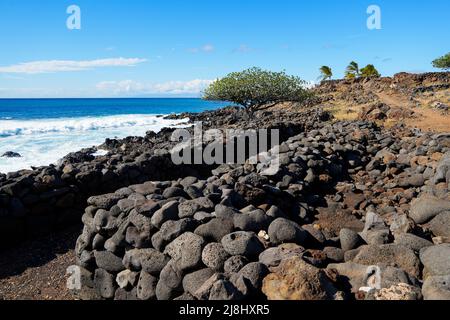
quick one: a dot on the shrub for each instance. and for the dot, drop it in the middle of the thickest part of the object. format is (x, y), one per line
(442, 62)
(370, 71)
(256, 88)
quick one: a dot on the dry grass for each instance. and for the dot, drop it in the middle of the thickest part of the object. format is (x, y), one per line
(344, 111)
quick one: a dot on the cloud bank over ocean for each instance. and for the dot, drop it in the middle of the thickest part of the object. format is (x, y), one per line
(53, 66)
(131, 87)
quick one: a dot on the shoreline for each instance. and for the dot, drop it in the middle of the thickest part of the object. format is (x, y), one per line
(36, 137)
(45, 130)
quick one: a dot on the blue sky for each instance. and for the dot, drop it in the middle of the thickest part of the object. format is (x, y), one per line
(172, 47)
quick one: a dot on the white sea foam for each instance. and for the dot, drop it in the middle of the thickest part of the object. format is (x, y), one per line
(100, 152)
(32, 127)
(43, 142)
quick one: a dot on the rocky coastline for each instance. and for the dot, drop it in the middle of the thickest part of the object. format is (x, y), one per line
(356, 211)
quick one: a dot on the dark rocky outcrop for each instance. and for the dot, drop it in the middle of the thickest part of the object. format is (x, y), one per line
(344, 205)
(11, 154)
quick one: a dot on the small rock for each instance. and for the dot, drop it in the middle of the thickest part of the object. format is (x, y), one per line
(389, 255)
(203, 292)
(174, 192)
(214, 256)
(294, 279)
(148, 260)
(146, 288)
(186, 250)
(436, 260)
(412, 241)
(104, 283)
(375, 230)
(242, 243)
(169, 211)
(169, 285)
(436, 288)
(215, 229)
(145, 189)
(399, 292)
(272, 257)
(234, 264)
(251, 221)
(124, 295)
(334, 254)
(108, 261)
(426, 207)
(11, 154)
(283, 230)
(126, 278)
(223, 290)
(105, 201)
(255, 273)
(169, 231)
(190, 207)
(349, 239)
(414, 180)
(440, 225)
(193, 281)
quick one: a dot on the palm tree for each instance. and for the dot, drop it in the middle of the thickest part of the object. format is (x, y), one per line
(325, 73)
(352, 71)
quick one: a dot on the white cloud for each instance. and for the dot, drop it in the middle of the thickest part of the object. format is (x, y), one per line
(207, 48)
(52, 66)
(41, 93)
(243, 48)
(118, 87)
(131, 87)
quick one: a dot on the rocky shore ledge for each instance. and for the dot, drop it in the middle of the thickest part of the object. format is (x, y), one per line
(354, 212)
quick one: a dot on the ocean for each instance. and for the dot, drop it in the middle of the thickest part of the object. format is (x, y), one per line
(43, 131)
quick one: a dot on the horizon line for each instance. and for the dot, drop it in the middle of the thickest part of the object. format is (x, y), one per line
(92, 98)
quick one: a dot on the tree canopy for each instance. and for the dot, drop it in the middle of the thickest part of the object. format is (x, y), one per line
(325, 73)
(255, 88)
(370, 71)
(442, 62)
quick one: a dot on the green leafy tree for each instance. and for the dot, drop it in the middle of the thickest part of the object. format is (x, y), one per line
(325, 73)
(255, 88)
(352, 71)
(370, 71)
(442, 62)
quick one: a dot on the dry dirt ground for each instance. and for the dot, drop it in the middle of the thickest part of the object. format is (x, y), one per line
(36, 270)
(427, 119)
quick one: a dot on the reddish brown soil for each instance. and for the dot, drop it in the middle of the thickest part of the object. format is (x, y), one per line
(36, 270)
